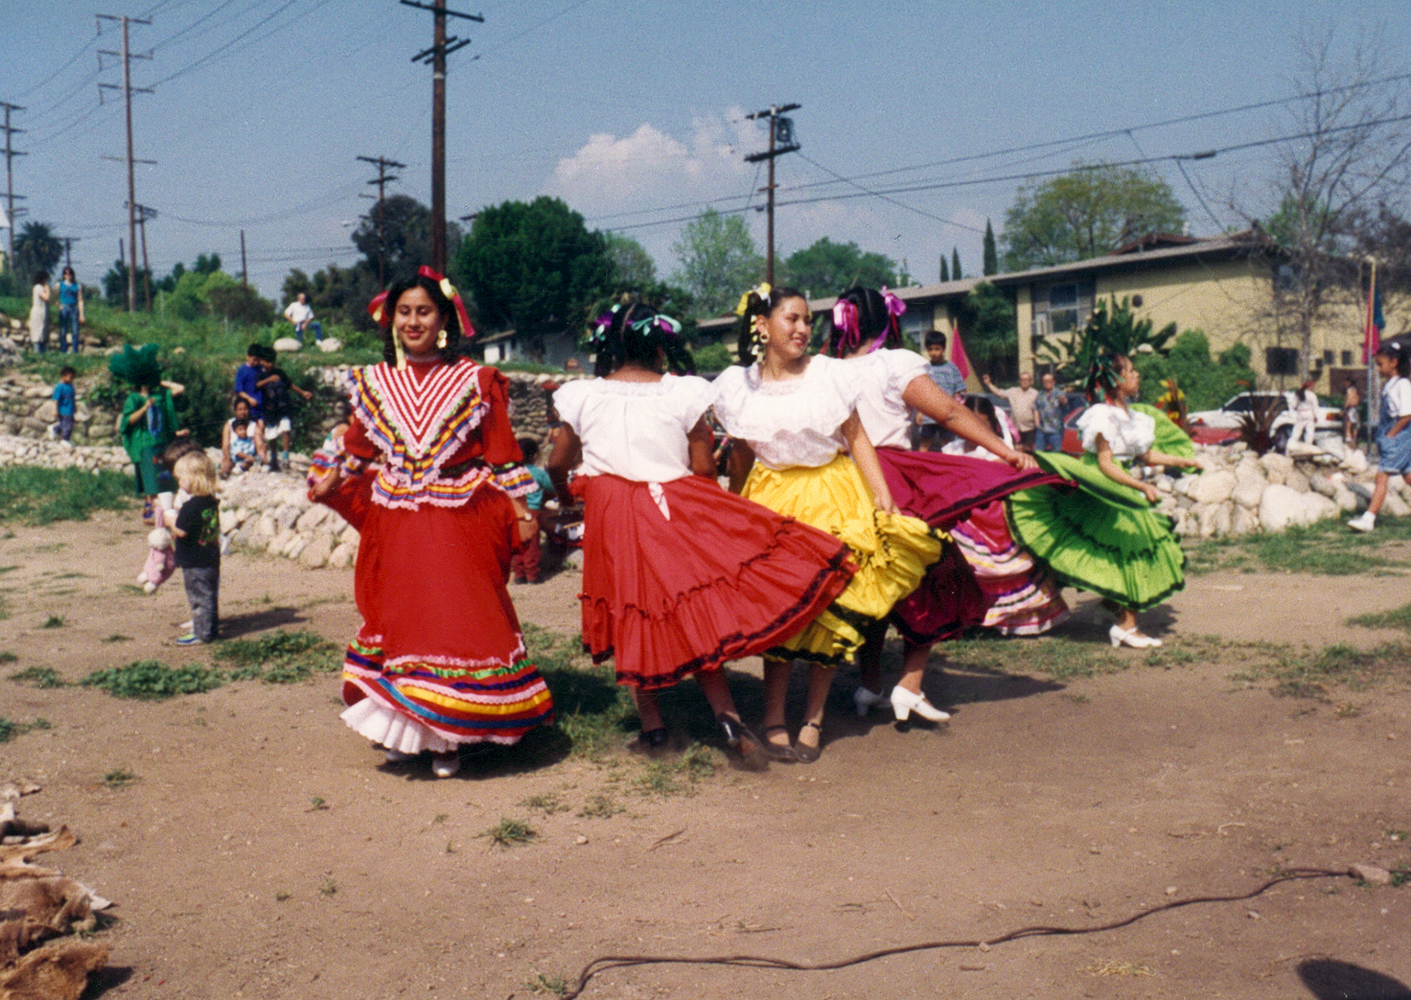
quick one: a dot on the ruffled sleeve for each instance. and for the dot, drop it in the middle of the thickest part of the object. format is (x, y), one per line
(692, 396)
(1097, 419)
(568, 403)
(502, 452)
(901, 367)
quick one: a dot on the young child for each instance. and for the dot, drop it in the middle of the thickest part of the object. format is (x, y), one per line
(929, 434)
(65, 404)
(276, 385)
(197, 533)
(1393, 441)
(524, 564)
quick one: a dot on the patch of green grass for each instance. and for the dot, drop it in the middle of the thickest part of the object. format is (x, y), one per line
(548, 804)
(42, 496)
(1326, 548)
(555, 985)
(53, 621)
(328, 888)
(40, 677)
(118, 637)
(509, 832)
(1395, 618)
(8, 657)
(1058, 657)
(279, 657)
(677, 777)
(601, 806)
(1315, 673)
(8, 569)
(9, 729)
(150, 680)
(119, 777)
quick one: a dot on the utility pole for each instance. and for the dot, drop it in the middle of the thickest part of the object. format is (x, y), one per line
(382, 179)
(10, 196)
(781, 141)
(441, 47)
(244, 274)
(143, 214)
(69, 241)
(127, 88)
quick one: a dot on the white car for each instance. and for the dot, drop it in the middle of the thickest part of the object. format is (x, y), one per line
(1228, 416)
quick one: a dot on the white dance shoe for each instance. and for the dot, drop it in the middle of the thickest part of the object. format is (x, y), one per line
(1131, 637)
(904, 703)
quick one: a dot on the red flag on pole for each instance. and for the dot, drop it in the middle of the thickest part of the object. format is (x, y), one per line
(957, 354)
(1372, 335)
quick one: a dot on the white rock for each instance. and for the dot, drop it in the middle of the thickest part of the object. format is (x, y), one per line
(264, 531)
(1322, 484)
(288, 345)
(286, 516)
(312, 518)
(1333, 445)
(228, 522)
(1212, 487)
(1297, 480)
(1276, 466)
(1355, 461)
(1215, 520)
(1319, 507)
(1396, 506)
(1249, 492)
(342, 556)
(1302, 449)
(316, 553)
(1279, 507)
(1344, 498)
(280, 542)
(350, 536)
(1244, 521)
(330, 344)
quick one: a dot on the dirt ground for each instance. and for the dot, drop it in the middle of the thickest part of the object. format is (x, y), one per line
(264, 851)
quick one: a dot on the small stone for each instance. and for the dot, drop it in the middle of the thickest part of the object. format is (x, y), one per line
(580, 840)
(1370, 873)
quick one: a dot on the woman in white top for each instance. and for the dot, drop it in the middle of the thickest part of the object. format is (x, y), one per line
(39, 310)
(793, 416)
(941, 489)
(1104, 537)
(679, 576)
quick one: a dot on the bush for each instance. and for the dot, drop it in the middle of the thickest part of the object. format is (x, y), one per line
(1206, 383)
(40, 496)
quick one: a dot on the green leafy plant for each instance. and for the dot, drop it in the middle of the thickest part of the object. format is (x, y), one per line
(119, 777)
(509, 832)
(151, 680)
(40, 677)
(10, 729)
(1112, 329)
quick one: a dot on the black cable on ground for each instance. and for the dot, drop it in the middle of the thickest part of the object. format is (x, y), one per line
(606, 962)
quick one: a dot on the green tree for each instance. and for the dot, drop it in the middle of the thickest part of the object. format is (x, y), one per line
(945, 269)
(397, 235)
(337, 294)
(36, 249)
(1112, 329)
(1207, 383)
(986, 320)
(533, 267)
(955, 274)
(115, 283)
(991, 265)
(235, 301)
(1086, 213)
(718, 261)
(827, 268)
(207, 263)
(633, 266)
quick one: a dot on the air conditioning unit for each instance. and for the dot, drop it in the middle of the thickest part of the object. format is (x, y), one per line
(1040, 325)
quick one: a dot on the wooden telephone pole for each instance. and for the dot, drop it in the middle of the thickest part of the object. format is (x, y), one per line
(126, 55)
(382, 179)
(781, 141)
(441, 47)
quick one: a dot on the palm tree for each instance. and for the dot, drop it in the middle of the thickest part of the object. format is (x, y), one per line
(36, 249)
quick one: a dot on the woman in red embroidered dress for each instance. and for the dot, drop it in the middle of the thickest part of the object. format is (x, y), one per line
(429, 473)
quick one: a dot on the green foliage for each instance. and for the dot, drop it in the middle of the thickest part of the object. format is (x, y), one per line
(119, 777)
(945, 269)
(37, 248)
(718, 261)
(279, 657)
(1326, 549)
(713, 358)
(991, 264)
(41, 496)
(1207, 383)
(398, 234)
(533, 267)
(9, 729)
(828, 268)
(1395, 618)
(955, 273)
(509, 832)
(1112, 331)
(40, 677)
(633, 267)
(1087, 213)
(987, 327)
(115, 286)
(151, 680)
(229, 299)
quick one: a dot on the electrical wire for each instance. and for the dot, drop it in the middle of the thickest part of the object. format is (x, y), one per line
(605, 963)
(528, 31)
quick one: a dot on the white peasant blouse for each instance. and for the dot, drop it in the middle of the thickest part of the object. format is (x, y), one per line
(636, 430)
(795, 423)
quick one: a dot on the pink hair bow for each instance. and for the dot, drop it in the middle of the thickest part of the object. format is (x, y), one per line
(845, 319)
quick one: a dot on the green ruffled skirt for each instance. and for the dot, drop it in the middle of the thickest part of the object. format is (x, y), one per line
(1098, 535)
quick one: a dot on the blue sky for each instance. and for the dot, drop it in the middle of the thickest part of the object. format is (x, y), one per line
(633, 113)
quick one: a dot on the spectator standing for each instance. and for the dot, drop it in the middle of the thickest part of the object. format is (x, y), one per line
(1351, 415)
(64, 404)
(1305, 414)
(301, 314)
(1048, 415)
(524, 564)
(1021, 406)
(930, 436)
(39, 310)
(70, 311)
(276, 385)
(247, 381)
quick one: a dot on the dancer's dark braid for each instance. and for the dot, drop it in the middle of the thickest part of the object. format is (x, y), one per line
(636, 332)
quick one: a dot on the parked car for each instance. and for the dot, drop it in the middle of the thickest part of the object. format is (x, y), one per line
(1228, 417)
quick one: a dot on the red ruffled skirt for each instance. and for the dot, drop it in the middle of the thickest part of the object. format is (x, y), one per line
(683, 576)
(440, 658)
(943, 490)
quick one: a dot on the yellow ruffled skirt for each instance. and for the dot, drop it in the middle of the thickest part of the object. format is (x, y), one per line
(892, 551)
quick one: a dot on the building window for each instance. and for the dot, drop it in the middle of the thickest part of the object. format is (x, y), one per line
(916, 322)
(1062, 308)
(1327, 357)
(1281, 360)
(1346, 358)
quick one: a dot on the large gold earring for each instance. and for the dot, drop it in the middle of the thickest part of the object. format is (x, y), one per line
(397, 349)
(441, 339)
(761, 338)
